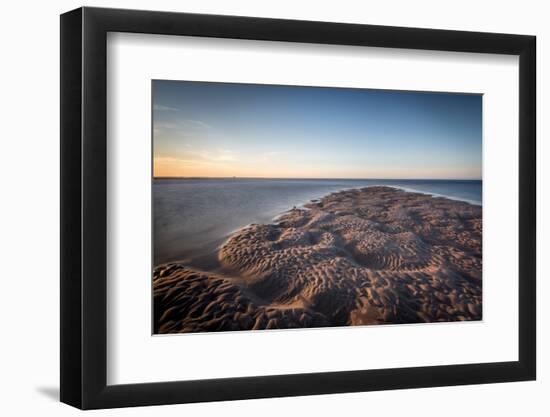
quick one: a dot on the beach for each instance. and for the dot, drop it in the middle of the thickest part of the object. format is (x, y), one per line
(194, 217)
(367, 256)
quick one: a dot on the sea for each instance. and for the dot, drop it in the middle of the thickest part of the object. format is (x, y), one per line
(193, 217)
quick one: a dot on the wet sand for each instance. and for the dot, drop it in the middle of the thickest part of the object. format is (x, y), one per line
(376, 255)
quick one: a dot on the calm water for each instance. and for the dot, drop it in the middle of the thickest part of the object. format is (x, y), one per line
(193, 217)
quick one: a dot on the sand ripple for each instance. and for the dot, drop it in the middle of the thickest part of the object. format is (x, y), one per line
(372, 256)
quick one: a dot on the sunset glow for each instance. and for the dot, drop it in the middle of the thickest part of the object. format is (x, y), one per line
(243, 130)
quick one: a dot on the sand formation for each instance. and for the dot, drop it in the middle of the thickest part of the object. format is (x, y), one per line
(375, 255)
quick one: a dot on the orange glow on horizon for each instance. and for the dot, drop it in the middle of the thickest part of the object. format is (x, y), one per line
(174, 167)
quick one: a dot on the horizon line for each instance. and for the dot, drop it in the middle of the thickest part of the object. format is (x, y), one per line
(312, 178)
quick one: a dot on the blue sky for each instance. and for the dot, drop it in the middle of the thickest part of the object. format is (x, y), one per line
(251, 130)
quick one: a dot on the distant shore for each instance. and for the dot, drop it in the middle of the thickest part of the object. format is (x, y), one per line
(376, 255)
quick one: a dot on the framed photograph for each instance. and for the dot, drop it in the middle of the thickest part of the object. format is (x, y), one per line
(256, 208)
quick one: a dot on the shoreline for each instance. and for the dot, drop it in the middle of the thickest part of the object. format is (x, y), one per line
(368, 255)
(412, 190)
(273, 220)
(404, 188)
(396, 187)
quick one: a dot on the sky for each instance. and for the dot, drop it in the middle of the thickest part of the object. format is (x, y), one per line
(203, 129)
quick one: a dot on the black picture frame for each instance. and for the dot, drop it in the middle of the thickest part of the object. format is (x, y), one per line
(84, 207)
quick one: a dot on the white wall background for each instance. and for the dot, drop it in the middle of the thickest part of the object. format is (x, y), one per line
(29, 226)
